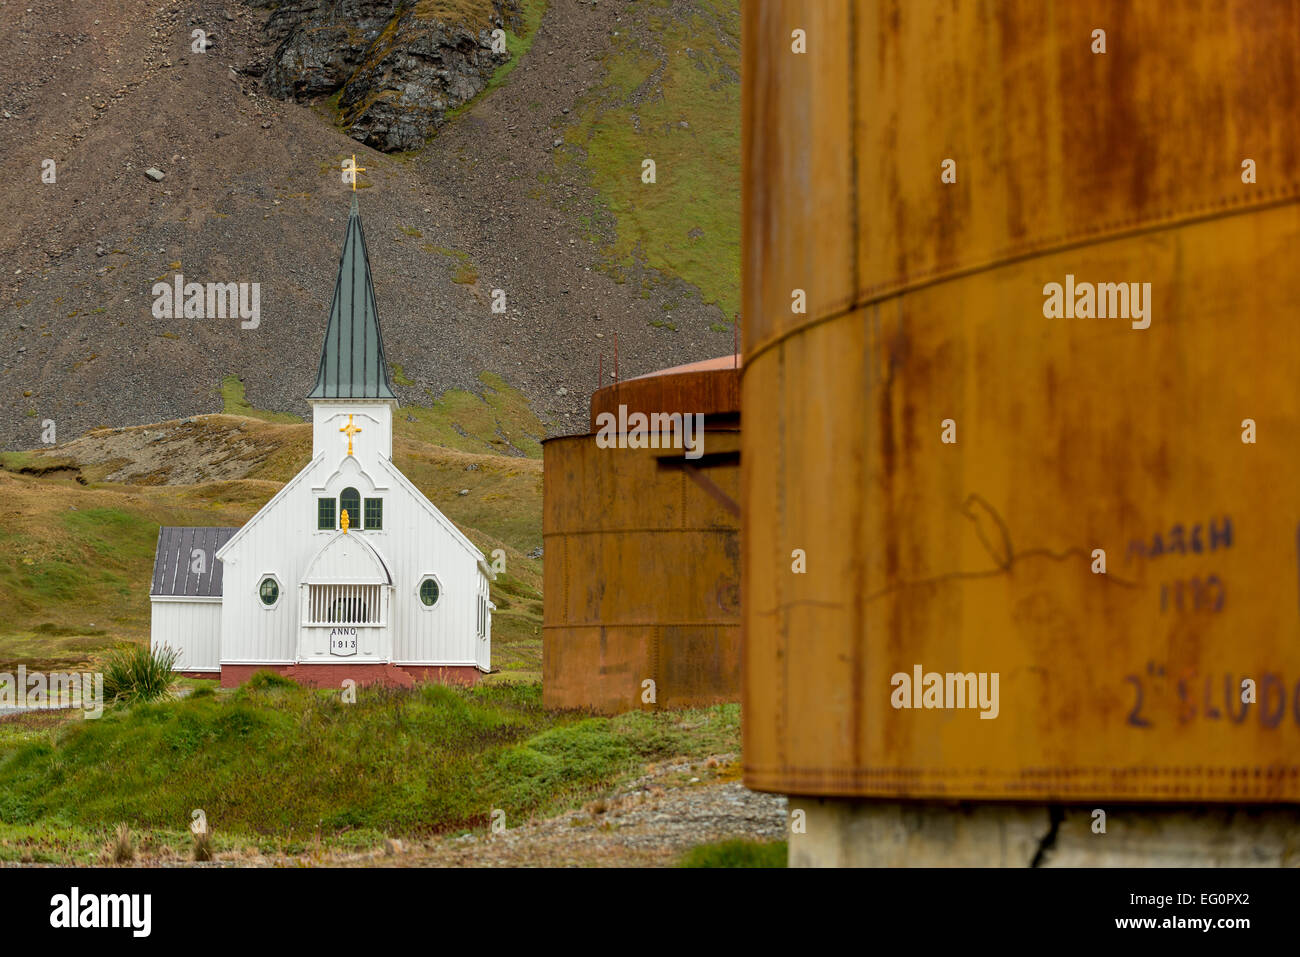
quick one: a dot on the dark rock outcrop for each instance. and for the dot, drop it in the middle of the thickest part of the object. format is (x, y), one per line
(397, 66)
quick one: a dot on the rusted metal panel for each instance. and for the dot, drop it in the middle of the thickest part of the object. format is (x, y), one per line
(641, 577)
(603, 667)
(711, 388)
(1075, 434)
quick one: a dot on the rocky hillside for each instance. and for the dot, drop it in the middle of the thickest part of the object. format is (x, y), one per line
(532, 188)
(396, 68)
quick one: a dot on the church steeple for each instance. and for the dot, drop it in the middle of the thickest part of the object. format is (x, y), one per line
(352, 363)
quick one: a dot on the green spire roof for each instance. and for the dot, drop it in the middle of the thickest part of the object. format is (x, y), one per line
(352, 364)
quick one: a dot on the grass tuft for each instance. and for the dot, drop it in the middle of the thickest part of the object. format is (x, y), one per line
(203, 845)
(737, 853)
(266, 678)
(139, 674)
(123, 849)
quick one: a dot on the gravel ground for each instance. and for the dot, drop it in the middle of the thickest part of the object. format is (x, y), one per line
(650, 822)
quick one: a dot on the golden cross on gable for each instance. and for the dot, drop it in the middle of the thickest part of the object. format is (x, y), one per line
(351, 430)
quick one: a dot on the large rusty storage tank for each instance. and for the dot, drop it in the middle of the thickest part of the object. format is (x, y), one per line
(642, 568)
(927, 318)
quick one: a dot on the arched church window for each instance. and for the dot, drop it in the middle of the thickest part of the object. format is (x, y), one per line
(350, 501)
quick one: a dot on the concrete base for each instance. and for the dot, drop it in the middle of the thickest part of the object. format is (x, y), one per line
(841, 832)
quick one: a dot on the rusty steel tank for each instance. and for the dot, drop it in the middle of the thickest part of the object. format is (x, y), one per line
(1021, 391)
(642, 554)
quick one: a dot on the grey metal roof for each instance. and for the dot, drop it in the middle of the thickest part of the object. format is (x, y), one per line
(175, 559)
(352, 364)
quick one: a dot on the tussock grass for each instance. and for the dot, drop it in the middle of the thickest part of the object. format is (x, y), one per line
(282, 763)
(272, 758)
(202, 850)
(266, 678)
(737, 853)
(123, 849)
(137, 674)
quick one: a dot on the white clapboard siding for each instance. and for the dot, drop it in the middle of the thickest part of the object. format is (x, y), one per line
(190, 626)
(417, 540)
(421, 544)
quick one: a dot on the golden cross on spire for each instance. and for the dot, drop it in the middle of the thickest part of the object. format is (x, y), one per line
(351, 430)
(354, 169)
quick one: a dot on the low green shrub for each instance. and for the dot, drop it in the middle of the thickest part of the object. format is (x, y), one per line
(266, 678)
(737, 853)
(139, 674)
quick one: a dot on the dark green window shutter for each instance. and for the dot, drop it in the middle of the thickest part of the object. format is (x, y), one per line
(325, 517)
(374, 513)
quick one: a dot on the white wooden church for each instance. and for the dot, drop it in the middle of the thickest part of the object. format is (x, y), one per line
(349, 571)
